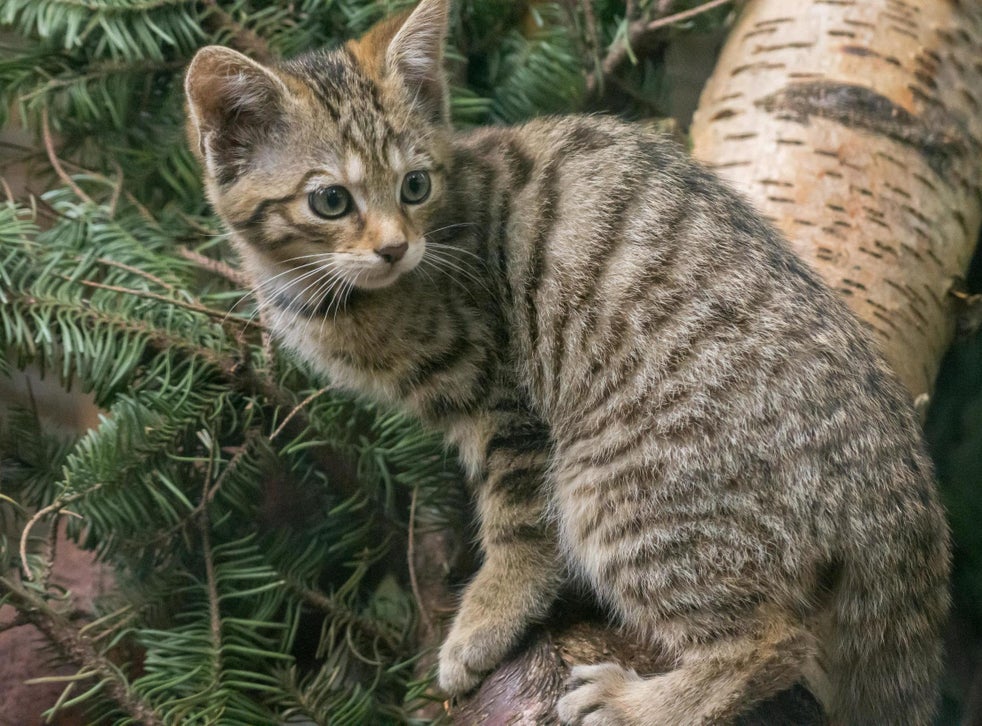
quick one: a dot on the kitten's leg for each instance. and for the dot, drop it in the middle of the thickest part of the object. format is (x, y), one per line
(519, 578)
(715, 681)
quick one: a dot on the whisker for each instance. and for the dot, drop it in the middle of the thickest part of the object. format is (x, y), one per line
(460, 267)
(450, 226)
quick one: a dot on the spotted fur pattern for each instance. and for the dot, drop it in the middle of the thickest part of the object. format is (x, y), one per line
(651, 393)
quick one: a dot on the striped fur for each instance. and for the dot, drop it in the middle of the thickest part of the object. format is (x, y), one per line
(651, 393)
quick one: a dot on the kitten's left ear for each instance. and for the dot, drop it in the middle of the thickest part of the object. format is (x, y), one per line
(410, 47)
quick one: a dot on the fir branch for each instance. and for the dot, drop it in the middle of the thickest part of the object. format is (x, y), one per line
(214, 612)
(336, 610)
(80, 650)
(194, 307)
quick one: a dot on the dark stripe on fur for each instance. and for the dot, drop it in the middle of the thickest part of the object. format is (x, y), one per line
(549, 193)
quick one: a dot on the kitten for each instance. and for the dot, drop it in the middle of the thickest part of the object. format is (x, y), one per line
(650, 392)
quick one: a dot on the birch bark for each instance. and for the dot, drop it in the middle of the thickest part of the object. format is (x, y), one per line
(856, 126)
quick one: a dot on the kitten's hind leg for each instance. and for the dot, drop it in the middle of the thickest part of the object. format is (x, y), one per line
(715, 681)
(521, 574)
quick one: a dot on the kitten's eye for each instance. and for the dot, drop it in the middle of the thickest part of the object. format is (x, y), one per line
(415, 187)
(330, 202)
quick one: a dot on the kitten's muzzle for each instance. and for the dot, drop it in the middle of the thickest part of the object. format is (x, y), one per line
(393, 251)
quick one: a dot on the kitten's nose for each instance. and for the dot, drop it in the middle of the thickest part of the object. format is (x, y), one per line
(392, 252)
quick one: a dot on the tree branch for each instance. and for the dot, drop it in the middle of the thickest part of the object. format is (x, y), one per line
(638, 31)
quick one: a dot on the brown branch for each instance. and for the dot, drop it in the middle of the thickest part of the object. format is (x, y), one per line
(214, 266)
(80, 650)
(637, 31)
(135, 271)
(240, 37)
(25, 534)
(296, 409)
(411, 557)
(117, 188)
(162, 298)
(329, 606)
(49, 146)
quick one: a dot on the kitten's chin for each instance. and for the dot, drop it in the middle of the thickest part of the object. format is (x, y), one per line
(376, 280)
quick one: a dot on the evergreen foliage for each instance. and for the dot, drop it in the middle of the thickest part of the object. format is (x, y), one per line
(257, 520)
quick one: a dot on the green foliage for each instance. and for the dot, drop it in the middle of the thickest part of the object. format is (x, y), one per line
(171, 486)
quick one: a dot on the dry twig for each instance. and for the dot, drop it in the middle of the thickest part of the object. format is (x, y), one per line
(637, 30)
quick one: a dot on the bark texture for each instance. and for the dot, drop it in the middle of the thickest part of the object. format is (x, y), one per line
(856, 126)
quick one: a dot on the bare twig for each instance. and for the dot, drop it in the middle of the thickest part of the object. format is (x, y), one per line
(117, 188)
(296, 409)
(7, 191)
(411, 556)
(49, 146)
(240, 37)
(636, 32)
(135, 271)
(592, 33)
(38, 516)
(216, 266)
(78, 648)
(154, 296)
(683, 15)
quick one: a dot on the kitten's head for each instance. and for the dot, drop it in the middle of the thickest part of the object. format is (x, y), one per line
(327, 168)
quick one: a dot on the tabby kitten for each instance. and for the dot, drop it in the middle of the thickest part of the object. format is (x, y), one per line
(651, 393)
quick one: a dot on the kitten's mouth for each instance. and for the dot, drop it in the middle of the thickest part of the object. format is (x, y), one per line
(384, 273)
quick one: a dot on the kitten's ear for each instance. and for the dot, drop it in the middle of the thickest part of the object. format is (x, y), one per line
(410, 47)
(234, 104)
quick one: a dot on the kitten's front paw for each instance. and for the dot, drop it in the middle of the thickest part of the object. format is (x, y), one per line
(468, 654)
(595, 694)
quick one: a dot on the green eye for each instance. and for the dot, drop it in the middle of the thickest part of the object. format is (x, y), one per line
(330, 202)
(415, 187)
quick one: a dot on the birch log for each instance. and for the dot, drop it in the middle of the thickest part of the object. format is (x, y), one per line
(856, 126)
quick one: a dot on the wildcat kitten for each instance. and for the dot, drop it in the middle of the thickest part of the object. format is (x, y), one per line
(650, 392)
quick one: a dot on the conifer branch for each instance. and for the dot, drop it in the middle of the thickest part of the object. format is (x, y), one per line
(194, 307)
(80, 650)
(214, 612)
(334, 609)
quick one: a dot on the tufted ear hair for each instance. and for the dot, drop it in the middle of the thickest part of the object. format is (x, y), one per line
(409, 47)
(234, 105)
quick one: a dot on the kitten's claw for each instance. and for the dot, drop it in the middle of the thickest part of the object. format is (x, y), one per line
(594, 696)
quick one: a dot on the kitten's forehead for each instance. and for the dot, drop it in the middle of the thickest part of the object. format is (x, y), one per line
(351, 108)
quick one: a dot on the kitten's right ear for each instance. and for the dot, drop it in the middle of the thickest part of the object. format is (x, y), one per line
(409, 47)
(234, 104)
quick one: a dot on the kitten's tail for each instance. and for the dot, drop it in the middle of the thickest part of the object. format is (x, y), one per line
(883, 659)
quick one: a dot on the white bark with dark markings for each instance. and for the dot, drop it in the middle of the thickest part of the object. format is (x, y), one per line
(856, 126)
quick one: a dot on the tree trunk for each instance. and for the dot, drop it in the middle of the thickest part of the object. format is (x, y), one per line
(856, 126)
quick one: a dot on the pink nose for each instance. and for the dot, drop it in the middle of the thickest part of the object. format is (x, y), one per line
(392, 252)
